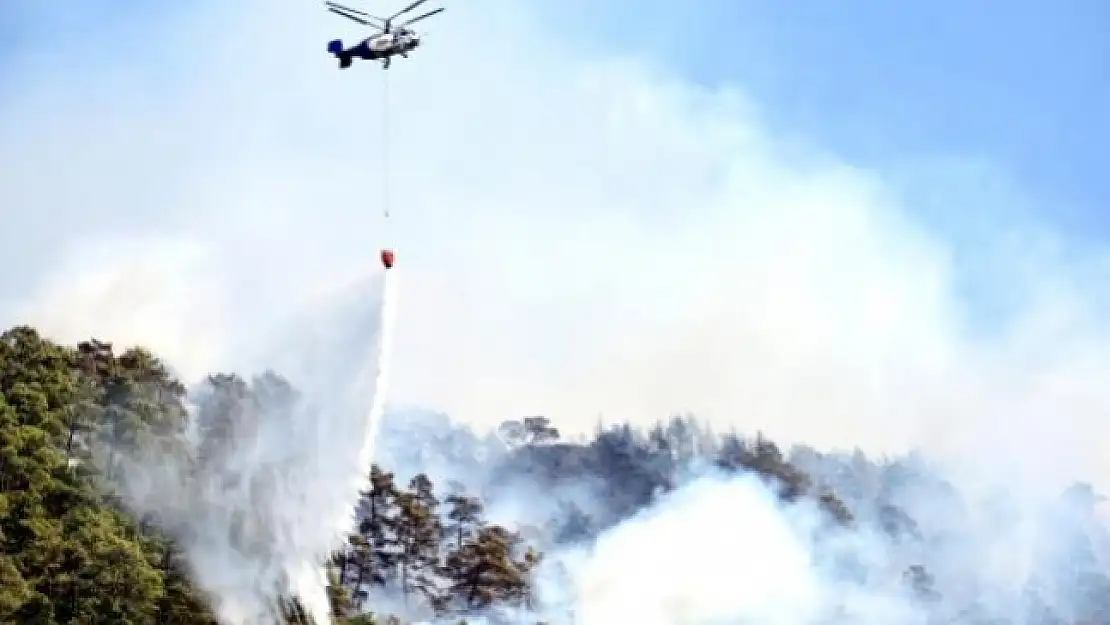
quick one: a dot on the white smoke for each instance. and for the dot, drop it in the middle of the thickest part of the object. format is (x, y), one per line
(717, 551)
(259, 526)
(723, 550)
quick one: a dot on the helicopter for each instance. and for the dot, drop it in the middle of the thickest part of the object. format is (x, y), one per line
(392, 41)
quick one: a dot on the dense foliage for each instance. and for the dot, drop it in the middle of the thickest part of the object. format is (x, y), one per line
(70, 553)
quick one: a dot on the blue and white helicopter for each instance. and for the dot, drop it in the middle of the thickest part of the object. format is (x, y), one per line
(391, 41)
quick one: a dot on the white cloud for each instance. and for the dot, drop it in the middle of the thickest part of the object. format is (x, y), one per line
(579, 236)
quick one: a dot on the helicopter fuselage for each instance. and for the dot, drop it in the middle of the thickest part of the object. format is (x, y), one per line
(384, 45)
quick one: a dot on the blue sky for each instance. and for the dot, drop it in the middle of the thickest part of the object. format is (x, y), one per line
(1023, 85)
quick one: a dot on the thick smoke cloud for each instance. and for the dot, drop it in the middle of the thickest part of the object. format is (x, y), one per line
(732, 521)
(706, 546)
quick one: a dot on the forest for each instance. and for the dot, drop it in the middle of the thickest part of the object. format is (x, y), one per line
(428, 532)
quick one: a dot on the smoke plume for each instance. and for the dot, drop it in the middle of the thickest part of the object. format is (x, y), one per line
(257, 511)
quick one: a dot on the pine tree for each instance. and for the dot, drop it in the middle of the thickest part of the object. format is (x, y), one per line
(484, 570)
(465, 515)
(419, 533)
(372, 556)
(339, 596)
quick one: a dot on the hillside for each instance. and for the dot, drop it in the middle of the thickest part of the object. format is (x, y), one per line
(452, 524)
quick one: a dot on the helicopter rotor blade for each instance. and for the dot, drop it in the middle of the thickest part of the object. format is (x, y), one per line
(419, 17)
(346, 8)
(353, 14)
(354, 18)
(406, 9)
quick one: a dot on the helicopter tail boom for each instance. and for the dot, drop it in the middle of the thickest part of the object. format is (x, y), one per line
(335, 48)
